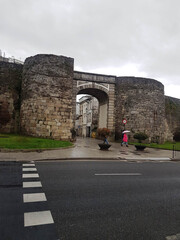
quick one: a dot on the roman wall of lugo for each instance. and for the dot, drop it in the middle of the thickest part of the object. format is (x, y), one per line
(38, 98)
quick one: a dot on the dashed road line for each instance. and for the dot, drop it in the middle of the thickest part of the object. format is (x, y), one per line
(117, 174)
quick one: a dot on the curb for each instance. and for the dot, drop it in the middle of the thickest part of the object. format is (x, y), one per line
(175, 160)
(105, 159)
(94, 159)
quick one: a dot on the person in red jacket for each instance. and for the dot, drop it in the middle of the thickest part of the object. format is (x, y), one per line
(125, 140)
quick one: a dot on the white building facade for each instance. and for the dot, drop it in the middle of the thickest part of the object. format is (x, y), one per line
(86, 116)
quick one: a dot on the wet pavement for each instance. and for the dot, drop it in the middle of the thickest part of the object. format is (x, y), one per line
(87, 148)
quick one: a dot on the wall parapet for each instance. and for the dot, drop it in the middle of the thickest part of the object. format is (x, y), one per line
(93, 77)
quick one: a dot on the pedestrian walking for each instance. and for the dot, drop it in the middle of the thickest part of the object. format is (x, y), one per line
(124, 138)
(105, 140)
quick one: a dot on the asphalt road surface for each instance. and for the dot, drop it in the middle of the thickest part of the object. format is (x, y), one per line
(103, 200)
(113, 200)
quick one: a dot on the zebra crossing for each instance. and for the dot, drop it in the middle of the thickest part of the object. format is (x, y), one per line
(33, 193)
(24, 209)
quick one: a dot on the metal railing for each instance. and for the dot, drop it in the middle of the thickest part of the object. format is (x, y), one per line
(11, 60)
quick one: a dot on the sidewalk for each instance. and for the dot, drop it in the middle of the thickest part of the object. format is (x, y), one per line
(87, 148)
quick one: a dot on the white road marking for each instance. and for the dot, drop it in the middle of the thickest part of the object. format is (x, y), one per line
(37, 218)
(117, 174)
(157, 158)
(35, 175)
(173, 237)
(28, 165)
(29, 169)
(31, 184)
(34, 197)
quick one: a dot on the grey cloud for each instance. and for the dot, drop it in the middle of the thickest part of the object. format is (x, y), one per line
(97, 33)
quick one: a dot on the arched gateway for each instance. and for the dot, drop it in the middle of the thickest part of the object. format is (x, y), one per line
(103, 88)
(48, 99)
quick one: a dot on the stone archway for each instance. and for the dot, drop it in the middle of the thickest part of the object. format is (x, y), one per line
(103, 100)
(103, 88)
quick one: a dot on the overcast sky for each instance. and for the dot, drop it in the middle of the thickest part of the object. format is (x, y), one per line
(118, 37)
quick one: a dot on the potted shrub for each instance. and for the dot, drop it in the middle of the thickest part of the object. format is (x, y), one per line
(103, 133)
(176, 135)
(140, 136)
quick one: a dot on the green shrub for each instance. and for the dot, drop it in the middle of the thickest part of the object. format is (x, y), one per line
(176, 136)
(140, 136)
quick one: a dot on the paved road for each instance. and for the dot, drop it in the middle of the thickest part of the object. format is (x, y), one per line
(113, 200)
(90, 200)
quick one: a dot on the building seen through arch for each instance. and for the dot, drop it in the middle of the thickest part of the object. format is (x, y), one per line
(87, 115)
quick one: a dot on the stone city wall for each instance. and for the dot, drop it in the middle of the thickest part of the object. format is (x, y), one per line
(172, 111)
(10, 88)
(141, 102)
(46, 107)
(46, 86)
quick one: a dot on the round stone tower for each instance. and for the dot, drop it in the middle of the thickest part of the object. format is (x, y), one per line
(141, 102)
(46, 107)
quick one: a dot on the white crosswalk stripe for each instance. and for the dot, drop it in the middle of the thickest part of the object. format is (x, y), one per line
(34, 197)
(26, 175)
(37, 218)
(28, 165)
(173, 237)
(29, 170)
(31, 184)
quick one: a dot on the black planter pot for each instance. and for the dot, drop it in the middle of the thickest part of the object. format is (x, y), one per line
(140, 147)
(104, 146)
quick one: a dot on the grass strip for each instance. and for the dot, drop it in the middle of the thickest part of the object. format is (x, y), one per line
(13, 141)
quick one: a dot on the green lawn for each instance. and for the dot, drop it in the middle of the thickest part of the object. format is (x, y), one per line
(13, 141)
(166, 145)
